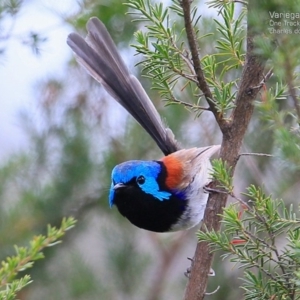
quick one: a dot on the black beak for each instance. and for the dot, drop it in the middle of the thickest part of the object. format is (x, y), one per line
(119, 186)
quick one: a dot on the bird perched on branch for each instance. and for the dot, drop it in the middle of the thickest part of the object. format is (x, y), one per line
(158, 195)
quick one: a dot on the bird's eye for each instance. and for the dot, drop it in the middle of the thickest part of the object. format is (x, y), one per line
(140, 179)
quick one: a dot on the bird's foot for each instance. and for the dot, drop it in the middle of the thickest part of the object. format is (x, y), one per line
(188, 271)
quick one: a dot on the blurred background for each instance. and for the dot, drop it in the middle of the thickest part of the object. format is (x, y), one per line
(60, 137)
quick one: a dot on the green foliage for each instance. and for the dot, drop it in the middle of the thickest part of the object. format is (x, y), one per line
(167, 59)
(25, 258)
(232, 32)
(164, 51)
(221, 173)
(284, 122)
(253, 238)
(230, 56)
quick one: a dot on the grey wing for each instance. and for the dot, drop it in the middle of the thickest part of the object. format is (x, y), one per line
(99, 55)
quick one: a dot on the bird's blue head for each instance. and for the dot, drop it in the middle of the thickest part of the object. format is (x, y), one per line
(144, 174)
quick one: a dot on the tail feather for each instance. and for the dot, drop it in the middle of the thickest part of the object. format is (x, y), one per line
(99, 55)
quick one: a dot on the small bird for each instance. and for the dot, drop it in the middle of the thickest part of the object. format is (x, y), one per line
(158, 195)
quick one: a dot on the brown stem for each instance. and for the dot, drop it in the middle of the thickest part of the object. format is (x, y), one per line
(233, 134)
(192, 40)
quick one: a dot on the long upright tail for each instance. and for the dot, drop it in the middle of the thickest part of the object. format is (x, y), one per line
(99, 55)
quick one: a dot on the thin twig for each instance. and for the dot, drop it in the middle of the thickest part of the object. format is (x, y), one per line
(262, 83)
(184, 57)
(184, 75)
(256, 154)
(268, 75)
(192, 41)
(189, 105)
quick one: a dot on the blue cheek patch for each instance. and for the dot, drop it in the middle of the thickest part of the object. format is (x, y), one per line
(151, 187)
